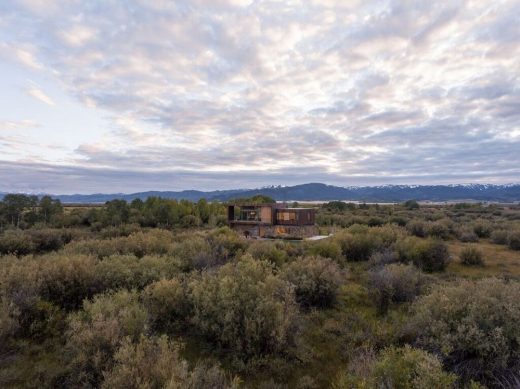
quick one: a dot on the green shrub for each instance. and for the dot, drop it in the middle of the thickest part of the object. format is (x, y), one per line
(316, 280)
(15, 242)
(156, 363)
(129, 272)
(395, 283)
(268, 251)
(245, 307)
(326, 248)
(471, 256)
(467, 236)
(474, 325)
(437, 230)
(482, 228)
(411, 368)
(96, 332)
(417, 228)
(499, 236)
(168, 304)
(513, 240)
(395, 367)
(356, 247)
(427, 254)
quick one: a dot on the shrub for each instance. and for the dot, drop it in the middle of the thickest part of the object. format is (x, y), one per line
(156, 363)
(168, 303)
(513, 240)
(195, 253)
(356, 247)
(46, 239)
(128, 271)
(395, 367)
(474, 325)
(395, 282)
(429, 255)
(417, 228)
(407, 367)
(15, 242)
(268, 251)
(467, 236)
(326, 248)
(482, 228)
(381, 258)
(471, 256)
(316, 281)
(96, 332)
(437, 230)
(499, 236)
(245, 307)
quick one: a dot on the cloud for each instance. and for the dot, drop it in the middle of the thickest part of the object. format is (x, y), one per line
(40, 95)
(344, 91)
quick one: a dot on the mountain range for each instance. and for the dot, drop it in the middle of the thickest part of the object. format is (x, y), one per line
(323, 192)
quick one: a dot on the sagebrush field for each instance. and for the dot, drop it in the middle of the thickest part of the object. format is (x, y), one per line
(162, 293)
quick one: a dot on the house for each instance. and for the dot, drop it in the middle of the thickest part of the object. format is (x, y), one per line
(272, 221)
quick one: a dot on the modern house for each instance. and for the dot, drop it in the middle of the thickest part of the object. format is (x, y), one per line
(272, 221)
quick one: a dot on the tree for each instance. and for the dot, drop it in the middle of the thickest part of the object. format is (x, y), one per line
(48, 208)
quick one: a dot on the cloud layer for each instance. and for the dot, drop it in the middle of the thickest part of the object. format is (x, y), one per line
(220, 94)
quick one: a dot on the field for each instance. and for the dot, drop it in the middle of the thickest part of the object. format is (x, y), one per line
(163, 294)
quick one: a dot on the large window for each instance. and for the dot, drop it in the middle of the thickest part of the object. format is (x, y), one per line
(286, 217)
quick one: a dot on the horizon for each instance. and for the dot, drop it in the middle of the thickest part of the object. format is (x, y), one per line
(103, 98)
(468, 184)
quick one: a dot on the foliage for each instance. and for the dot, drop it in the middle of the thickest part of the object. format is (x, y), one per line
(513, 240)
(316, 280)
(97, 332)
(156, 363)
(429, 255)
(395, 283)
(474, 325)
(471, 256)
(245, 307)
(168, 303)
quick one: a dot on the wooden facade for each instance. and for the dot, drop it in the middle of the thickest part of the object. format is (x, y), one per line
(272, 221)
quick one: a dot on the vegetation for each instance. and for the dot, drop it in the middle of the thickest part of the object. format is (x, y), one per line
(160, 293)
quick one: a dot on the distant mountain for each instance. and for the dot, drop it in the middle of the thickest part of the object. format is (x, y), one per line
(322, 192)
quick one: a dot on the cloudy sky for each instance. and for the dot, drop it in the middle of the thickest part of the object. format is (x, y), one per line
(125, 96)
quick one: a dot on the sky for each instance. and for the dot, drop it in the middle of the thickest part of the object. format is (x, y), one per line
(126, 96)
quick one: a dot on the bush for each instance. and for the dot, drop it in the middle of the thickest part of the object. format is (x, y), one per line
(268, 251)
(395, 367)
(482, 228)
(326, 248)
(467, 236)
(474, 325)
(407, 367)
(429, 255)
(381, 258)
(356, 247)
(130, 272)
(471, 256)
(437, 230)
(96, 332)
(156, 363)
(245, 307)
(499, 236)
(417, 228)
(168, 304)
(513, 240)
(15, 242)
(316, 281)
(395, 283)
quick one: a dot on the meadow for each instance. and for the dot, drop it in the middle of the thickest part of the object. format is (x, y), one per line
(162, 294)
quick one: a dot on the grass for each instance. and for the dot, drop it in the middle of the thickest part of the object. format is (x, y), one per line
(499, 260)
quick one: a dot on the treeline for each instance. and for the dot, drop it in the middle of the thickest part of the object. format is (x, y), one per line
(24, 211)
